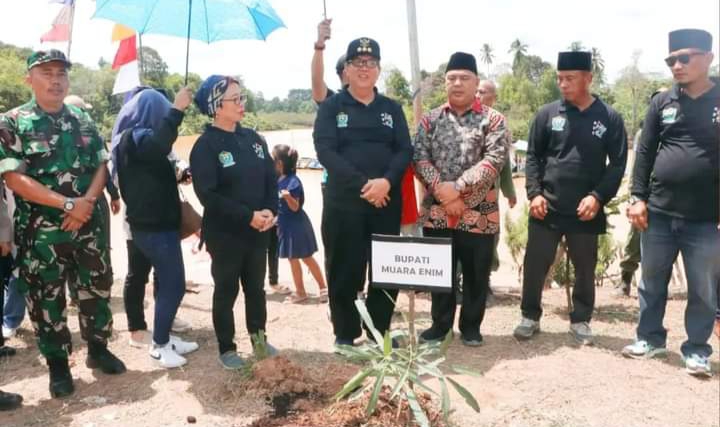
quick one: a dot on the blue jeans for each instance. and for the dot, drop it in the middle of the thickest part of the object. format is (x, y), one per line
(699, 243)
(163, 251)
(14, 309)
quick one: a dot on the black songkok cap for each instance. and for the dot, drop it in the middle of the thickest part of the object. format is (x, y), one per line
(689, 38)
(574, 61)
(462, 61)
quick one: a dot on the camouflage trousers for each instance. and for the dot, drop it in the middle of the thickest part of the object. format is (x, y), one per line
(47, 259)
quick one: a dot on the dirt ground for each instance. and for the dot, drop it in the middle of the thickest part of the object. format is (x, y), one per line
(548, 381)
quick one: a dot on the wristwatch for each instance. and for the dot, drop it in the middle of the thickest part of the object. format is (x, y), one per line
(319, 46)
(634, 199)
(69, 205)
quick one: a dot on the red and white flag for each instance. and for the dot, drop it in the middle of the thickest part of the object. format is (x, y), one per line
(126, 62)
(60, 31)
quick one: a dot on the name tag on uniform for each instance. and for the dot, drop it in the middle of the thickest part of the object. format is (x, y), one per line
(342, 120)
(226, 159)
(669, 115)
(558, 123)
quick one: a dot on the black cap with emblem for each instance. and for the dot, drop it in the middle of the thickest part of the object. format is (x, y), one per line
(689, 38)
(363, 46)
(574, 61)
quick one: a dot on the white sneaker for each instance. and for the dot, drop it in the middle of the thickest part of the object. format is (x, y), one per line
(182, 347)
(641, 349)
(8, 333)
(582, 333)
(180, 325)
(697, 365)
(166, 357)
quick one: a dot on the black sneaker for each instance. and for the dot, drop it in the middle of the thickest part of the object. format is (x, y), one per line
(433, 334)
(9, 401)
(61, 382)
(100, 357)
(472, 339)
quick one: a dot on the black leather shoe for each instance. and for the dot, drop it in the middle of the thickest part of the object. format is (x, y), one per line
(61, 382)
(9, 401)
(99, 357)
(433, 334)
(6, 351)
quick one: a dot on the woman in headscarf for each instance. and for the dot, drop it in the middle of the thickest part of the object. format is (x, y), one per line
(146, 128)
(234, 178)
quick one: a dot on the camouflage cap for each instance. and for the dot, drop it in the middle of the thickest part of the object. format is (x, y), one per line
(45, 56)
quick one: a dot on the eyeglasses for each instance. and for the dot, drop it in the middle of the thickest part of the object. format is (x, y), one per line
(683, 58)
(239, 100)
(368, 63)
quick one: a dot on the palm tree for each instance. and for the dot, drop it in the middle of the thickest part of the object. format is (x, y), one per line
(487, 56)
(518, 49)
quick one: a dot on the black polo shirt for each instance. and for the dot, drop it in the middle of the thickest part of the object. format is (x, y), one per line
(233, 176)
(357, 142)
(677, 163)
(573, 154)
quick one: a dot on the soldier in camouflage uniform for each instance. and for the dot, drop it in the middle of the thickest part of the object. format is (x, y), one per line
(52, 157)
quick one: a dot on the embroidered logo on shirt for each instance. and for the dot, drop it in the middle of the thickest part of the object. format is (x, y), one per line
(558, 123)
(669, 115)
(386, 119)
(342, 120)
(259, 151)
(716, 115)
(599, 129)
(226, 159)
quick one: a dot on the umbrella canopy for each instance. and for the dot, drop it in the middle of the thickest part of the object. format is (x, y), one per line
(210, 20)
(205, 20)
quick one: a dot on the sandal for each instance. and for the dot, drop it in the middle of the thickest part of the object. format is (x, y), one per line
(295, 299)
(280, 289)
(323, 295)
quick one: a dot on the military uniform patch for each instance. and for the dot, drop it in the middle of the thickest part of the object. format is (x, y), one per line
(226, 159)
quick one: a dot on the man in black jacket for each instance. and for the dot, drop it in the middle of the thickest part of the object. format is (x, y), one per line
(575, 162)
(675, 201)
(362, 138)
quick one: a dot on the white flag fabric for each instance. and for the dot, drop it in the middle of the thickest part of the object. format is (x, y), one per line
(128, 78)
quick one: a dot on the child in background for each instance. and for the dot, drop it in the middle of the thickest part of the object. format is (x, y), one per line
(296, 237)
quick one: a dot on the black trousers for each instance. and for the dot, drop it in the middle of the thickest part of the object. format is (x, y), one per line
(347, 237)
(6, 266)
(272, 256)
(475, 253)
(233, 264)
(539, 256)
(139, 267)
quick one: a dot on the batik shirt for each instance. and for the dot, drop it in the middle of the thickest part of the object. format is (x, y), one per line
(470, 150)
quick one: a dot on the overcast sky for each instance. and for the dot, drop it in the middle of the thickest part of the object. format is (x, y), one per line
(616, 27)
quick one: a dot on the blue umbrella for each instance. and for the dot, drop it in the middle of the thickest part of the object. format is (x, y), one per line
(204, 20)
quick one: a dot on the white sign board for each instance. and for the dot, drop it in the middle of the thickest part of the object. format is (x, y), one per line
(418, 263)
